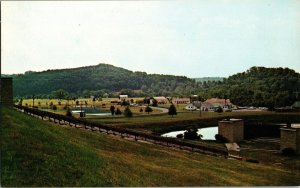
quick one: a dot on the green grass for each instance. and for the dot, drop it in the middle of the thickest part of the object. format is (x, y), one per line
(38, 153)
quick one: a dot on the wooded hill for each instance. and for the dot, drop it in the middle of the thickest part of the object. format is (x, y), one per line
(99, 80)
(258, 86)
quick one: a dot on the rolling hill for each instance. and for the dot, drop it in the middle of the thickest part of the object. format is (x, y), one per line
(102, 77)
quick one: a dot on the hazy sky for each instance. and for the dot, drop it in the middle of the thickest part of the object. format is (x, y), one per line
(192, 38)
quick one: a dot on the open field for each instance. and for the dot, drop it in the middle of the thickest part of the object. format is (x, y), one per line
(38, 153)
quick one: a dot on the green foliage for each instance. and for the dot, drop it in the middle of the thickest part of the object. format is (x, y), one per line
(69, 112)
(112, 110)
(221, 138)
(102, 80)
(127, 112)
(191, 134)
(172, 110)
(118, 111)
(148, 109)
(54, 107)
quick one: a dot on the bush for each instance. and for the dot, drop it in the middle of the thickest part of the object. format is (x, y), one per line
(59, 103)
(118, 111)
(220, 138)
(191, 134)
(69, 113)
(127, 112)
(172, 110)
(54, 107)
(148, 109)
(288, 152)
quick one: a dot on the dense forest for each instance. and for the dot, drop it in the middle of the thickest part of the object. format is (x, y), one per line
(258, 86)
(101, 80)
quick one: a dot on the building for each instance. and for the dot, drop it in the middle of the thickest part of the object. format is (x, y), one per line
(290, 137)
(160, 100)
(6, 89)
(181, 100)
(123, 97)
(232, 129)
(190, 106)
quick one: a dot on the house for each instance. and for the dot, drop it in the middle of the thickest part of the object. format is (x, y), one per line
(123, 97)
(190, 106)
(160, 100)
(216, 103)
(204, 106)
(181, 100)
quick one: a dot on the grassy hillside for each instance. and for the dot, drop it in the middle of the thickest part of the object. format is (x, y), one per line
(38, 153)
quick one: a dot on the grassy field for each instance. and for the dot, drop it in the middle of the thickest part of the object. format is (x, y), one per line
(38, 153)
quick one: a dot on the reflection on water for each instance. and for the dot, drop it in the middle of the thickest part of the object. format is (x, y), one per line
(207, 133)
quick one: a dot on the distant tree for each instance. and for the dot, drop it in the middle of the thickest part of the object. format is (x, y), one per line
(54, 107)
(141, 110)
(51, 104)
(127, 112)
(112, 110)
(39, 103)
(154, 102)
(148, 109)
(69, 112)
(59, 103)
(172, 110)
(77, 103)
(59, 94)
(118, 111)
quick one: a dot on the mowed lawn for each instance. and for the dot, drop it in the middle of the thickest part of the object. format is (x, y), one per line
(39, 153)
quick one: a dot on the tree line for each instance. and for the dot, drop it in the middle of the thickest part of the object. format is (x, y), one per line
(258, 86)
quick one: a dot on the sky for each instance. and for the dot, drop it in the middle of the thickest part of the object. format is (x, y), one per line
(190, 38)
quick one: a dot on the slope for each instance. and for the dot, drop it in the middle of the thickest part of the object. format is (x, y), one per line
(103, 77)
(38, 153)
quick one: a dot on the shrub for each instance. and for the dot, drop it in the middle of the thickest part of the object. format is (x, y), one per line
(141, 110)
(118, 111)
(148, 109)
(191, 134)
(288, 151)
(69, 113)
(59, 103)
(127, 112)
(77, 103)
(172, 110)
(220, 138)
(54, 107)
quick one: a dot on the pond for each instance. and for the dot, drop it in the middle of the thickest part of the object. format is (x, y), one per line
(208, 133)
(91, 111)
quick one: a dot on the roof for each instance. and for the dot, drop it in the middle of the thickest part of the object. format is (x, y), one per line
(160, 98)
(181, 99)
(123, 95)
(218, 101)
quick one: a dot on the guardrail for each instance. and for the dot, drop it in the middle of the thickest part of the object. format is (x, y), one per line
(124, 132)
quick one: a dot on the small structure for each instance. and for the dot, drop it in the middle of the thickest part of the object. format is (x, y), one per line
(190, 106)
(123, 97)
(232, 129)
(181, 100)
(160, 100)
(290, 137)
(6, 89)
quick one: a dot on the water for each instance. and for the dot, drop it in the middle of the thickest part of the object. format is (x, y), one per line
(91, 111)
(207, 133)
